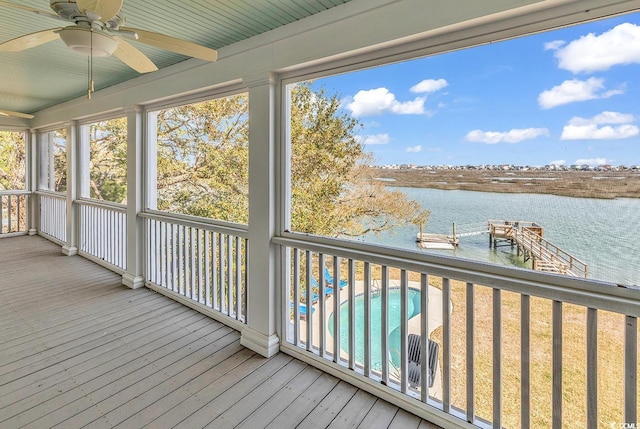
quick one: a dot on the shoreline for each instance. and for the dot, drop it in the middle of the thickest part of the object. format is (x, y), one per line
(579, 184)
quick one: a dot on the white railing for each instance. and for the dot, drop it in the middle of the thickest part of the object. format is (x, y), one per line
(53, 216)
(199, 261)
(515, 347)
(13, 212)
(103, 233)
(551, 253)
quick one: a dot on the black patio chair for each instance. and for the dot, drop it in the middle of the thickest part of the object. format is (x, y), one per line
(415, 360)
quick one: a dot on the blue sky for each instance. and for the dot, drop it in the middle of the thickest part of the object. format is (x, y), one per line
(571, 96)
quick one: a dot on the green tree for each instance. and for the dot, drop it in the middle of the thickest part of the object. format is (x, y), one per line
(59, 147)
(12, 177)
(12, 160)
(333, 191)
(203, 159)
(108, 158)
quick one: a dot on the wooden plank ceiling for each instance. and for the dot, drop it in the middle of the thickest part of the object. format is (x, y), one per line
(51, 73)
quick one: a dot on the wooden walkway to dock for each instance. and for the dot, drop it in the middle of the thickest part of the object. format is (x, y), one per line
(78, 349)
(528, 237)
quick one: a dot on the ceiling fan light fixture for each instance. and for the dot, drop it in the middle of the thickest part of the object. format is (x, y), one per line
(79, 40)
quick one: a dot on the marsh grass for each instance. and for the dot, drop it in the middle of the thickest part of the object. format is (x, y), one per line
(584, 184)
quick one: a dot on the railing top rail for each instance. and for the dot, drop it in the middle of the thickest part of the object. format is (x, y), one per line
(122, 208)
(52, 194)
(206, 224)
(508, 222)
(586, 292)
(570, 258)
(14, 192)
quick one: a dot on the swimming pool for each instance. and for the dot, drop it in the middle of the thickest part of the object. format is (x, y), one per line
(413, 308)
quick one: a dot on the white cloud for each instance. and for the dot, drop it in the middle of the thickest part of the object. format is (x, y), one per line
(558, 162)
(594, 132)
(429, 85)
(414, 149)
(603, 118)
(552, 46)
(574, 90)
(374, 139)
(604, 126)
(592, 161)
(512, 136)
(590, 53)
(380, 100)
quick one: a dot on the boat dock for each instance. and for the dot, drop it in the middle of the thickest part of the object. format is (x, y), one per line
(436, 241)
(528, 239)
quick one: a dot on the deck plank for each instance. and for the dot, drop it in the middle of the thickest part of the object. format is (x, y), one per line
(46, 385)
(237, 392)
(182, 393)
(354, 411)
(68, 352)
(305, 403)
(78, 349)
(66, 321)
(65, 406)
(258, 396)
(281, 400)
(136, 414)
(135, 385)
(379, 416)
(404, 420)
(68, 335)
(324, 413)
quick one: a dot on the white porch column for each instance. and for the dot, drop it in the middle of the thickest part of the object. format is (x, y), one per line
(151, 163)
(33, 205)
(260, 332)
(42, 161)
(73, 187)
(133, 277)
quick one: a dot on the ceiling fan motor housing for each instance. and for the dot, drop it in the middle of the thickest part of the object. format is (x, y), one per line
(66, 9)
(87, 42)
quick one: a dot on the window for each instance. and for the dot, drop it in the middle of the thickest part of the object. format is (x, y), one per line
(538, 139)
(12, 160)
(494, 153)
(53, 160)
(108, 160)
(202, 166)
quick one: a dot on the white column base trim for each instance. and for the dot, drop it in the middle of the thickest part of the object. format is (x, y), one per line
(33, 231)
(69, 250)
(132, 282)
(265, 345)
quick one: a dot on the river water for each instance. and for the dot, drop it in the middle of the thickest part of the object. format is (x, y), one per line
(605, 234)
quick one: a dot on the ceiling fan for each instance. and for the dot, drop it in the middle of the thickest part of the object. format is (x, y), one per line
(98, 31)
(15, 114)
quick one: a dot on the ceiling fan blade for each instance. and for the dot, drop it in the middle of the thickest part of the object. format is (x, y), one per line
(16, 114)
(104, 9)
(30, 40)
(29, 9)
(173, 44)
(132, 57)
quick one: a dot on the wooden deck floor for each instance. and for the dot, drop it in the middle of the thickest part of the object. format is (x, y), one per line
(79, 349)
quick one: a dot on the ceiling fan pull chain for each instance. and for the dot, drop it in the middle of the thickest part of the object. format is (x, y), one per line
(90, 88)
(89, 77)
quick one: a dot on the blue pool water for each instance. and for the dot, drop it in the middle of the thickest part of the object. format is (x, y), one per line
(413, 308)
